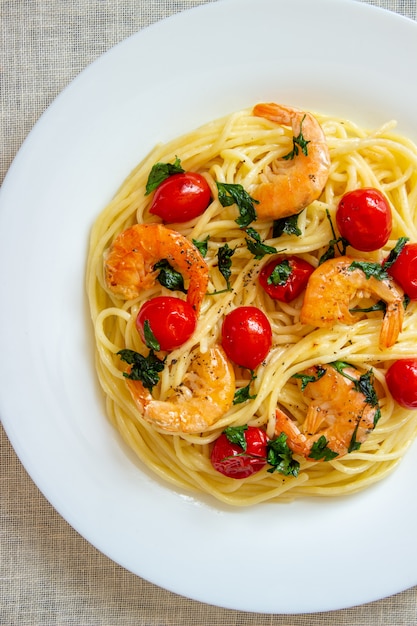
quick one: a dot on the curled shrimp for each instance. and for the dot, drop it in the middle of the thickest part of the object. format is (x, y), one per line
(129, 263)
(295, 181)
(332, 287)
(340, 415)
(203, 397)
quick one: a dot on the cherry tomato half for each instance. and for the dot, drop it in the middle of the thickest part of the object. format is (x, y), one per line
(285, 277)
(401, 379)
(364, 218)
(404, 270)
(231, 460)
(171, 320)
(181, 197)
(246, 336)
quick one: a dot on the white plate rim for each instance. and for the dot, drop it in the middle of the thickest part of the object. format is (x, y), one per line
(58, 412)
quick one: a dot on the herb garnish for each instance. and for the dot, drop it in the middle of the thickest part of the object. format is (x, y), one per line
(202, 245)
(243, 394)
(320, 450)
(280, 274)
(168, 277)
(146, 369)
(305, 378)
(288, 225)
(280, 457)
(224, 255)
(161, 171)
(232, 193)
(395, 252)
(369, 269)
(256, 246)
(298, 142)
(339, 243)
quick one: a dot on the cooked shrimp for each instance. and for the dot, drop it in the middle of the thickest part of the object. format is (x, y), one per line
(129, 264)
(293, 183)
(203, 397)
(338, 411)
(334, 284)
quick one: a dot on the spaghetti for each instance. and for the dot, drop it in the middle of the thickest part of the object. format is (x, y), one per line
(236, 150)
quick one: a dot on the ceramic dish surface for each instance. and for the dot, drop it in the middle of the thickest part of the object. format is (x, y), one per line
(338, 57)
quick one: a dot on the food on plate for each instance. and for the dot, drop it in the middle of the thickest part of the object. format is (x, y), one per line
(253, 295)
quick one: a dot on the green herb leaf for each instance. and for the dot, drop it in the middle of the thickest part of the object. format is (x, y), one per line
(224, 257)
(150, 339)
(202, 245)
(236, 434)
(305, 379)
(369, 269)
(337, 243)
(298, 142)
(288, 225)
(146, 369)
(280, 457)
(395, 252)
(320, 451)
(378, 306)
(231, 193)
(256, 246)
(168, 277)
(280, 274)
(161, 171)
(243, 394)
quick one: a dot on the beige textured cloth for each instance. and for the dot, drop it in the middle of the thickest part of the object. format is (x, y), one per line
(49, 575)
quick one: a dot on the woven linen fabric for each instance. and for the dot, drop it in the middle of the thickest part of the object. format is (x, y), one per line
(49, 575)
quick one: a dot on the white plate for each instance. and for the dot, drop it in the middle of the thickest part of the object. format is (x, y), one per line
(340, 57)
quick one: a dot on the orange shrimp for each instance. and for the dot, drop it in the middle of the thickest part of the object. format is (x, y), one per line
(293, 183)
(204, 396)
(129, 263)
(334, 284)
(339, 416)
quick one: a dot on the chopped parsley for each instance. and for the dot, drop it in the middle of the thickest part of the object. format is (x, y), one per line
(369, 269)
(298, 142)
(202, 245)
(256, 246)
(280, 457)
(243, 394)
(236, 435)
(320, 450)
(287, 225)
(305, 378)
(161, 171)
(232, 193)
(146, 369)
(168, 277)
(280, 274)
(224, 257)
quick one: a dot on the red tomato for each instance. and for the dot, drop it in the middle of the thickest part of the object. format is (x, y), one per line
(231, 460)
(364, 218)
(292, 285)
(181, 197)
(404, 270)
(246, 336)
(171, 320)
(401, 379)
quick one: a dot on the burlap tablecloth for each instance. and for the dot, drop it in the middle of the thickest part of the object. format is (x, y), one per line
(48, 573)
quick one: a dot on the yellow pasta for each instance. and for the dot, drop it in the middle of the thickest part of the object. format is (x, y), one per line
(235, 149)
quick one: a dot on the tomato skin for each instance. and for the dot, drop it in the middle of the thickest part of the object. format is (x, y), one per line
(404, 270)
(246, 336)
(171, 320)
(295, 283)
(181, 197)
(230, 460)
(401, 379)
(364, 218)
